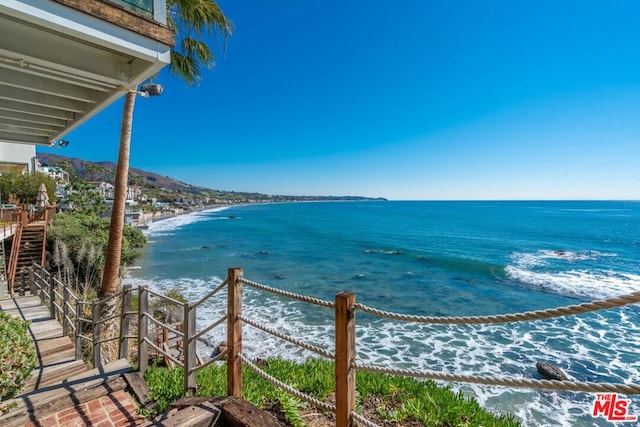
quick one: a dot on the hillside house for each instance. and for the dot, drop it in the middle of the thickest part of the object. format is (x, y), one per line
(60, 175)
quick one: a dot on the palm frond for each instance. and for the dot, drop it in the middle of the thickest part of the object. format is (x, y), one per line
(201, 16)
(185, 67)
(199, 50)
(192, 22)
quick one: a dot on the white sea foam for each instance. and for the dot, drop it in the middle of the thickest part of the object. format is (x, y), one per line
(166, 227)
(529, 268)
(586, 347)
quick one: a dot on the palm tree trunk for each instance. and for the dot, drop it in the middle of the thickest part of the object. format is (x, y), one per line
(111, 270)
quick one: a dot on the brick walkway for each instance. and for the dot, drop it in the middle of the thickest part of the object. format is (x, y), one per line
(114, 410)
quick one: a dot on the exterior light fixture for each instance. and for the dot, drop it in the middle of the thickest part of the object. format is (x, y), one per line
(63, 143)
(151, 89)
(145, 91)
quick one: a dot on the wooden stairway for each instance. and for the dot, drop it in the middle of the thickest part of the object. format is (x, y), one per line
(28, 246)
(58, 381)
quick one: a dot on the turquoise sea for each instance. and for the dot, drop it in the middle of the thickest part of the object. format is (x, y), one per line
(428, 258)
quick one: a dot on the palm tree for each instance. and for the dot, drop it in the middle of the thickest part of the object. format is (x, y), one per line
(192, 22)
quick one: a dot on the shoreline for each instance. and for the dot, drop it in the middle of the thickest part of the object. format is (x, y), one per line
(155, 219)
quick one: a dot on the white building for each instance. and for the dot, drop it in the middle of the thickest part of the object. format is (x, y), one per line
(105, 189)
(17, 157)
(60, 175)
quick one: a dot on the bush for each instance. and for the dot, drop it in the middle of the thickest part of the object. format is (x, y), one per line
(17, 355)
(84, 239)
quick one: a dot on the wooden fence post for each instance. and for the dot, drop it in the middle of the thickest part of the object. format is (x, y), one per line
(345, 356)
(125, 319)
(41, 286)
(79, 331)
(234, 332)
(95, 326)
(22, 283)
(52, 293)
(189, 348)
(65, 309)
(32, 282)
(143, 329)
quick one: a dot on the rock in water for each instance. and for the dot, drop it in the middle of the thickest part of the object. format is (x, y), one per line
(551, 372)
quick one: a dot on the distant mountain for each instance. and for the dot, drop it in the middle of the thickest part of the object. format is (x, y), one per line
(105, 171)
(164, 187)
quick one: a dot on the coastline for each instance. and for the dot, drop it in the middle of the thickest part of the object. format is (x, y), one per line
(153, 219)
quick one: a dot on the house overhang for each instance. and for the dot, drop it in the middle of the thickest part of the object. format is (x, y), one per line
(63, 61)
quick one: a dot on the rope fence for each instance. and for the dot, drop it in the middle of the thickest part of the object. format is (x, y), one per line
(619, 301)
(589, 387)
(292, 391)
(299, 343)
(299, 297)
(75, 312)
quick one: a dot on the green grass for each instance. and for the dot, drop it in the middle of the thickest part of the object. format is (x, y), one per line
(398, 399)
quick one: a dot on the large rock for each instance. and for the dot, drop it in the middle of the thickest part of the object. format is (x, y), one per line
(551, 372)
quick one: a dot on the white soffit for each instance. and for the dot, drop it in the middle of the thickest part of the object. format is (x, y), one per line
(59, 67)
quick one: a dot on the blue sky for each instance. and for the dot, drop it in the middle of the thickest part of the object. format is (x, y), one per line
(407, 100)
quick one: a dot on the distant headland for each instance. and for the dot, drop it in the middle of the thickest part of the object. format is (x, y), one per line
(165, 188)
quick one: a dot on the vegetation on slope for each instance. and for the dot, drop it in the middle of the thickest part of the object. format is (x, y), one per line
(77, 245)
(384, 399)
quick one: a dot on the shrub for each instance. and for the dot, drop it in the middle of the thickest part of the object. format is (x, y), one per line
(17, 354)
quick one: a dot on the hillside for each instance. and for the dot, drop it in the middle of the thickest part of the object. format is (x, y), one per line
(164, 188)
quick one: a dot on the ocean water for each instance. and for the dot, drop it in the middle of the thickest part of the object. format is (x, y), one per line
(428, 258)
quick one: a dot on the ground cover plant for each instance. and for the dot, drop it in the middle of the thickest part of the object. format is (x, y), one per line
(17, 354)
(384, 399)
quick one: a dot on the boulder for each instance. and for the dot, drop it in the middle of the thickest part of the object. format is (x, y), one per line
(222, 347)
(551, 372)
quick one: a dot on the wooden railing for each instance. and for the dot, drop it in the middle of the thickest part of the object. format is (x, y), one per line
(19, 218)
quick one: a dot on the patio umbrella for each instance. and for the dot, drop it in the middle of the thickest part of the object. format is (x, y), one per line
(42, 201)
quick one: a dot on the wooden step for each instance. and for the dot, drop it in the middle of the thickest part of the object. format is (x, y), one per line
(54, 374)
(23, 302)
(44, 329)
(28, 404)
(55, 350)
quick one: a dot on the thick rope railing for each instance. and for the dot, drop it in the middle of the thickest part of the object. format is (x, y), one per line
(303, 298)
(362, 420)
(299, 343)
(589, 387)
(297, 393)
(515, 317)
